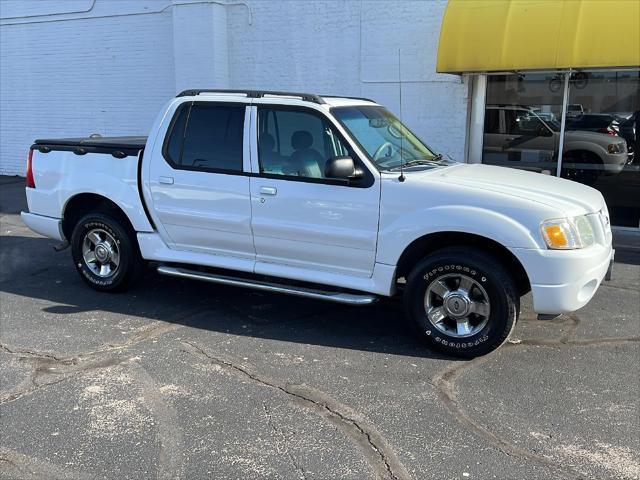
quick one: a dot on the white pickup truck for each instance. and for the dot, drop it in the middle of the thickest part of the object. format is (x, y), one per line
(323, 197)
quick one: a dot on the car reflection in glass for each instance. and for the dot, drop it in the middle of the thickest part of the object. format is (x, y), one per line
(518, 136)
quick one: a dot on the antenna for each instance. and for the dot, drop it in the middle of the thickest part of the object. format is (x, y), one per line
(401, 178)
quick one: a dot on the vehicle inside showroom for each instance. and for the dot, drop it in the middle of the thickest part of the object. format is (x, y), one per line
(554, 99)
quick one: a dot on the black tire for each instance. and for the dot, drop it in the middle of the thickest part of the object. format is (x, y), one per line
(130, 262)
(494, 281)
(587, 167)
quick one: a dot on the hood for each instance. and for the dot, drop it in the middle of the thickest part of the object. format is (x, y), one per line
(597, 137)
(571, 197)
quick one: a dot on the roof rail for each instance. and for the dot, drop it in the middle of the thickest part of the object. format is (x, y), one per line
(351, 98)
(308, 97)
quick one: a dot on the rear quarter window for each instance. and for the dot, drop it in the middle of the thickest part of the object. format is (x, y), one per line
(173, 147)
(206, 136)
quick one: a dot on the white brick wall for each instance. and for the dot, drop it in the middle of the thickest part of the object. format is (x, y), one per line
(74, 77)
(77, 68)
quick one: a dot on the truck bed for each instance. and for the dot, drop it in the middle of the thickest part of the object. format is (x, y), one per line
(119, 147)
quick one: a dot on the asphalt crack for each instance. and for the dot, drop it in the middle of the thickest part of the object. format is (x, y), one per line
(445, 383)
(45, 364)
(568, 339)
(301, 473)
(28, 352)
(445, 387)
(592, 342)
(60, 370)
(26, 468)
(154, 329)
(574, 322)
(620, 287)
(169, 435)
(377, 451)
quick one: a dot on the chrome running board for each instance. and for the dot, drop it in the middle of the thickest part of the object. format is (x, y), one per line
(338, 297)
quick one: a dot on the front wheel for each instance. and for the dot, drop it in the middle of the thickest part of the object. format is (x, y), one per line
(105, 253)
(582, 167)
(462, 301)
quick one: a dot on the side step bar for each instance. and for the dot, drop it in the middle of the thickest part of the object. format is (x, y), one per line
(338, 297)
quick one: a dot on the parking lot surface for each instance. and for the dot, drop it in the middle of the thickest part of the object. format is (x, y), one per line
(185, 380)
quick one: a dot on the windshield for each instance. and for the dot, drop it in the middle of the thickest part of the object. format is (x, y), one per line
(554, 125)
(387, 142)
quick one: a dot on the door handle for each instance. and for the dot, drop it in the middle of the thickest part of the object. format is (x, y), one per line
(166, 180)
(268, 190)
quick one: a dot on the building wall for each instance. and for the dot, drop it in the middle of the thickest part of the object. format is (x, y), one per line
(98, 66)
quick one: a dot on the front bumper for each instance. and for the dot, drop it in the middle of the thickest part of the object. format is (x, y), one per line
(563, 281)
(47, 226)
(615, 162)
(609, 275)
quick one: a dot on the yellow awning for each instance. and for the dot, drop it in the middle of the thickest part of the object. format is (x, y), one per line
(505, 35)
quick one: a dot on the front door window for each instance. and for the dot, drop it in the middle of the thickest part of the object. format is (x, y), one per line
(296, 143)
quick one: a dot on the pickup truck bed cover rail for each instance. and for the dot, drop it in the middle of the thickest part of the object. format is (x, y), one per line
(119, 147)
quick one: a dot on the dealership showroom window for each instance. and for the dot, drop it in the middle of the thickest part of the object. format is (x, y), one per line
(523, 128)
(548, 93)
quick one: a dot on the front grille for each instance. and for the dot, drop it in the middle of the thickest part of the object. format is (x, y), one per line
(606, 225)
(604, 218)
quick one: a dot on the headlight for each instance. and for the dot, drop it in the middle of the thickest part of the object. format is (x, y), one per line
(585, 230)
(568, 233)
(616, 148)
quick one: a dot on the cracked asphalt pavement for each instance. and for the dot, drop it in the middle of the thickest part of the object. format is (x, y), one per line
(185, 380)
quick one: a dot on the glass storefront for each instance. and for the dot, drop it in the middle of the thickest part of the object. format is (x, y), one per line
(523, 125)
(522, 122)
(601, 139)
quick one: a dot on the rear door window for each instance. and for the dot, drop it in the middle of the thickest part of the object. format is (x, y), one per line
(173, 147)
(211, 139)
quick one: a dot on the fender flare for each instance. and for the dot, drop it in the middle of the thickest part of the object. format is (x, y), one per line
(395, 238)
(127, 199)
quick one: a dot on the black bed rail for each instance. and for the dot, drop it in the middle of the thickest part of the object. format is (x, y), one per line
(119, 147)
(78, 150)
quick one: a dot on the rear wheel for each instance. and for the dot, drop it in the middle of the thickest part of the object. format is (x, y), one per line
(462, 301)
(105, 253)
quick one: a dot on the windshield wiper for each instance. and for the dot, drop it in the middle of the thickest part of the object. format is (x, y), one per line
(414, 163)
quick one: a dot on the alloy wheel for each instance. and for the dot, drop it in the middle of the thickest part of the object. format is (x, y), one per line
(100, 253)
(457, 305)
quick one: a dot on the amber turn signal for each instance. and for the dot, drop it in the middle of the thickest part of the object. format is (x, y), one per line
(555, 236)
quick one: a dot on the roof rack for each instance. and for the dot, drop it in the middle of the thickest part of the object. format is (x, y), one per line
(352, 98)
(309, 97)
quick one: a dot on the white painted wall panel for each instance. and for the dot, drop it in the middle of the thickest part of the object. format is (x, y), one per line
(351, 48)
(77, 77)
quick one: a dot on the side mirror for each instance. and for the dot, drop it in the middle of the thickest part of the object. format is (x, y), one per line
(342, 167)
